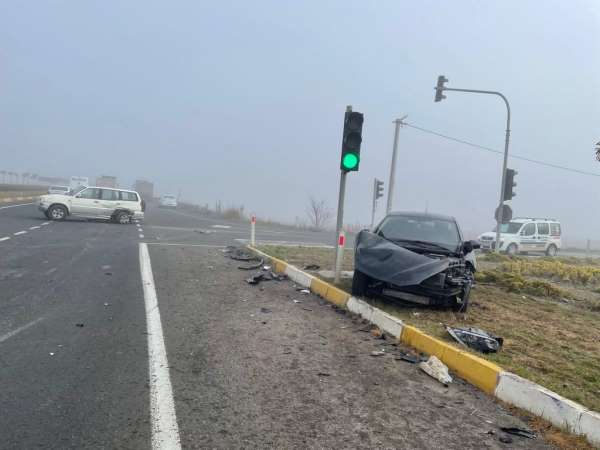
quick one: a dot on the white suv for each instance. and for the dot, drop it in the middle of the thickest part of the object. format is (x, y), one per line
(94, 203)
(524, 235)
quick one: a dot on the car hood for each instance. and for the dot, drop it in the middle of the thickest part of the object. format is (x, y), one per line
(386, 261)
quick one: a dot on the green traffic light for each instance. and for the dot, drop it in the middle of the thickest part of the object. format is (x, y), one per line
(350, 161)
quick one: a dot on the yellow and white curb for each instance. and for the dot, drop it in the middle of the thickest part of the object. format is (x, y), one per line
(486, 375)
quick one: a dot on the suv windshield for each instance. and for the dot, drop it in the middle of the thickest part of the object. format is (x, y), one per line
(440, 232)
(76, 190)
(510, 228)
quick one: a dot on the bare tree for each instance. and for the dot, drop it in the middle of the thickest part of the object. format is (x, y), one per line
(318, 213)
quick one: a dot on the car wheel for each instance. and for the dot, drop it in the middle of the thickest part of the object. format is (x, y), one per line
(512, 250)
(57, 212)
(551, 250)
(360, 283)
(122, 217)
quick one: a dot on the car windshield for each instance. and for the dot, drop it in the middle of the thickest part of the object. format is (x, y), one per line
(76, 190)
(441, 232)
(510, 228)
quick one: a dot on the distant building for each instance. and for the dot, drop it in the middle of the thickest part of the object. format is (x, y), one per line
(144, 188)
(106, 181)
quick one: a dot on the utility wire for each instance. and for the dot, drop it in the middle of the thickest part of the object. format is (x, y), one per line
(493, 150)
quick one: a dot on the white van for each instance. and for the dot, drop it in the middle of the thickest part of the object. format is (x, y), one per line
(524, 235)
(168, 201)
(117, 205)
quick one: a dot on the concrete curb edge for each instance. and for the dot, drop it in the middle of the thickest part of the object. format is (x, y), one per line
(485, 375)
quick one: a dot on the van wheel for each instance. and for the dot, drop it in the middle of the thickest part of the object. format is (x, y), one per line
(57, 212)
(551, 250)
(360, 283)
(512, 250)
(122, 217)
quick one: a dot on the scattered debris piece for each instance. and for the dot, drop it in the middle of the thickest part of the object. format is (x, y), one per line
(255, 279)
(505, 439)
(51, 353)
(240, 254)
(203, 231)
(253, 266)
(376, 331)
(80, 325)
(519, 432)
(312, 267)
(413, 359)
(265, 310)
(303, 290)
(296, 301)
(266, 267)
(106, 304)
(324, 374)
(416, 314)
(108, 273)
(338, 309)
(476, 338)
(436, 369)
(105, 267)
(307, 309)
(378, 352)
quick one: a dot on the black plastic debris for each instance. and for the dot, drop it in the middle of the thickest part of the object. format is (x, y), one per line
(80, 325)
(255, 279)
(476, 339)
(265, 310)
(240, 254)
(505, 439)
(519, 432)
(413, 359)
(312, 267)
(265, 276)
(253, 266)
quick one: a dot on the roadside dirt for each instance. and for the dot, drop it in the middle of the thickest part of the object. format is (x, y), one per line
(252, 368)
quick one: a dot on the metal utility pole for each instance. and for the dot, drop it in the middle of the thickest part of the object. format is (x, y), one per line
(390, 197)
(339, 250)
(438, 97)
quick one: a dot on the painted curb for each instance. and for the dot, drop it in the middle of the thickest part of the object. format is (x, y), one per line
(485, 375)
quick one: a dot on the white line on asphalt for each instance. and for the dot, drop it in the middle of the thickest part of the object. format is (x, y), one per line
(5, 238)
(20, 232)
(140, 230)
(165, 433)
(46, 223)
(141, 236)
(186, 245)
(33, 228)
(18, 330)
(14, 206)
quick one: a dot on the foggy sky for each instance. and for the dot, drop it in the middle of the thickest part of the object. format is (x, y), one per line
(243, 101)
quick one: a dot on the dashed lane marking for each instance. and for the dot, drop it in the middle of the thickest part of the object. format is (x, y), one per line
(34, 228)
(165, 433)
(46, 223)
(14, 206)
(10, 334)
(141, 236)
(5, 238)
(18, 233)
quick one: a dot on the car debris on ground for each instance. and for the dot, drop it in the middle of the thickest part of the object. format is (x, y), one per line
(378, 352)
(253, 266)
(519, 432)
(312, 267)
(436, 369)
(476, 339)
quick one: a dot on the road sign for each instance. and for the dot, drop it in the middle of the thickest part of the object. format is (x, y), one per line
(503, 214)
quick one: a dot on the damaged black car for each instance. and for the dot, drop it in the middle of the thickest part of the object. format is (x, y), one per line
(415, 257)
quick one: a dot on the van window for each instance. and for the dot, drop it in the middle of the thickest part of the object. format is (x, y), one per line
(543, 228)
(555, 229)
(529, 230)
(109, 194)
(128, 196)
(90, 193)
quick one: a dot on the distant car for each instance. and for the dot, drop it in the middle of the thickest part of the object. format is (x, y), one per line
(415, 257)
(94, 203)
(58, 189)
(524, 235)
(168, 201)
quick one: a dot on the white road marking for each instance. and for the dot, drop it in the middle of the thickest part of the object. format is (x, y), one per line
(141, 236)
(140, 230)
(18, 233)
(10, 334)
(34, 228)
(186, 245)
(221, 226)
(46, 223)
(165, 433)
(5, 238)
(14, 206)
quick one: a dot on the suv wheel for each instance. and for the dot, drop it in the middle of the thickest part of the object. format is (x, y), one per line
(512, 250)
(122, 217)
(551, 250)
(57, 212)
(360, 283)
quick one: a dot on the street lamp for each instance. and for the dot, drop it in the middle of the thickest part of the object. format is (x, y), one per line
(442, 80)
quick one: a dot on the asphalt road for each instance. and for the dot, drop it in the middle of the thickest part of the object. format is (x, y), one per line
(90, 312)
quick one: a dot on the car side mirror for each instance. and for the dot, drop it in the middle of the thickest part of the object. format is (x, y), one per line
(469, 246)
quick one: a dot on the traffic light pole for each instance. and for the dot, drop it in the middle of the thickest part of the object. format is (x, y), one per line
(505, 163)
(339, 249)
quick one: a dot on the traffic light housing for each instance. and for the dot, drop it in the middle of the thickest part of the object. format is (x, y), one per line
(509, 184)
(378, 189)
(440, 88)
(351, 140)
